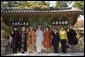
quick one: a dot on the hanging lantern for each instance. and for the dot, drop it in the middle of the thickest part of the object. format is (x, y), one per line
(59, 22)
(15, 23)
(53, 22)
(56, 22)
(66, 22)
(62, 22)
(18, 23)
(24, 23)
(12, 23)
(27, 23)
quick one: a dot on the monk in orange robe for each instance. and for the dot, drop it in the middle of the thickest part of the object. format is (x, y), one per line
(47, 38)
(31, 40)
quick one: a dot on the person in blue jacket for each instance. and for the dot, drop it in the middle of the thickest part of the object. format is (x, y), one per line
(55, 40)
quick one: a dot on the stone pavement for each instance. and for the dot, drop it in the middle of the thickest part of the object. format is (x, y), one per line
(44, 53)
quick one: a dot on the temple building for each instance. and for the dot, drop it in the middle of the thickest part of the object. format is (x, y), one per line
(46, 17)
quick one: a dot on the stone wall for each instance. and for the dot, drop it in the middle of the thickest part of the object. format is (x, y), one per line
(4, 45)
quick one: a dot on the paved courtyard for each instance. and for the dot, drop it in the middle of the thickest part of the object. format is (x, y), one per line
(44, 53)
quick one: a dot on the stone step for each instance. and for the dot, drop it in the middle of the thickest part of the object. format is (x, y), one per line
(46, 54)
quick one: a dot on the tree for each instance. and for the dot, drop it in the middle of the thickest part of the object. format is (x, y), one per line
(40, 5)
(8, 4)
(61, 4)
(34, 5)
(79, 4)
(70, 3)
(25, 4)
(5, 30)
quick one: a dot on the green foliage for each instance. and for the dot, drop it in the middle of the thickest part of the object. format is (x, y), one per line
(79, 4)
(4, 34)
(25, 4)
(5, 30)
(61, 4)
(8, 4)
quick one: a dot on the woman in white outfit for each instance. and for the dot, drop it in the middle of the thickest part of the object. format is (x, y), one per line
(39, 39)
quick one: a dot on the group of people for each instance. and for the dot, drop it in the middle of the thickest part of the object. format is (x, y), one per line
(28, 38)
